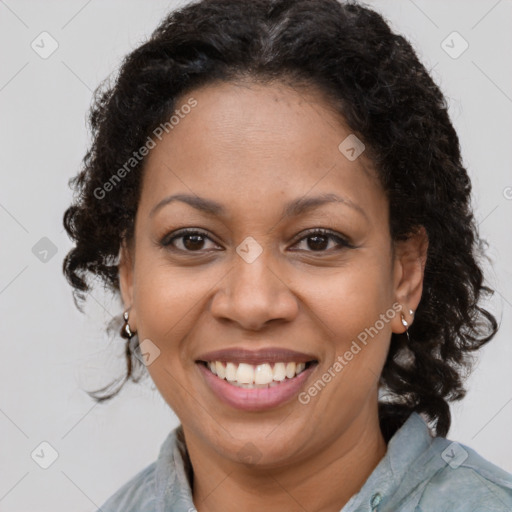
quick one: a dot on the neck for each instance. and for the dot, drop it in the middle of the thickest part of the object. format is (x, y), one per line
(325, 482)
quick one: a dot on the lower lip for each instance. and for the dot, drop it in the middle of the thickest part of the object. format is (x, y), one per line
(255, 399)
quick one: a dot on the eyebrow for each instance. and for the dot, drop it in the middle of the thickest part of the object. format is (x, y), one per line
(291, 209)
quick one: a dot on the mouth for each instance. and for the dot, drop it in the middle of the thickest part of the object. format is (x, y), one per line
(259, 376)
(255, 381)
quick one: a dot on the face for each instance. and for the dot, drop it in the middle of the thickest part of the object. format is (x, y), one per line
(288, 259)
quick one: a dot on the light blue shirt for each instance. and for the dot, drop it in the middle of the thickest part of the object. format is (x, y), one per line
(419, 473)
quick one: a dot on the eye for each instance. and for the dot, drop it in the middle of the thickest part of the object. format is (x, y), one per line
(191, 240)
(318, 240)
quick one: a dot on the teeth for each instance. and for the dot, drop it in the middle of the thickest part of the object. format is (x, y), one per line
(263, 374)
(279, 372)
(245, 374)
(250, 376)
(290, 370)
(230, 372)
(220, 370)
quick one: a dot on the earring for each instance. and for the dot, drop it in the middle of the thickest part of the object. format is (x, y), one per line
(126, 332)
(406, 325)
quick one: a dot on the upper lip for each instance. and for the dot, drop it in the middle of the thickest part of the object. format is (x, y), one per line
(255, 357)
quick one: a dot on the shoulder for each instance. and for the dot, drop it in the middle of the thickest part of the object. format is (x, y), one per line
(162, 485)
(139, 493)
(465, 481)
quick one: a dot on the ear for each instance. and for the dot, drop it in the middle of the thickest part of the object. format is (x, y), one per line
(126, 270)
(409, 267)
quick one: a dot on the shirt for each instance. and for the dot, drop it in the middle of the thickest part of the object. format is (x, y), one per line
(419, 473)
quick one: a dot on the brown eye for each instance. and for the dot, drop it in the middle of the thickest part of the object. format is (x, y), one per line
(318, 240)
(189, 240)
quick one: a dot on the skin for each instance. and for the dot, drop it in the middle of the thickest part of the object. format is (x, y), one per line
(253, 148)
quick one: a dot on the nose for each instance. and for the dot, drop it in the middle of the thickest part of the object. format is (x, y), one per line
(253, 295)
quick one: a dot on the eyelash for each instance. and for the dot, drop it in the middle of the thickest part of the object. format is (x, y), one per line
(342, 242)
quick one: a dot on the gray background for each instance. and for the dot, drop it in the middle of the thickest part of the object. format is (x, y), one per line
(51, 352)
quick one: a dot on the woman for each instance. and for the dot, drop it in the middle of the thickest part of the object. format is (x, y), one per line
(276, 192)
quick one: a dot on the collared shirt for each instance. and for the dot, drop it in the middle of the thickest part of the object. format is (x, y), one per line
(419, 473)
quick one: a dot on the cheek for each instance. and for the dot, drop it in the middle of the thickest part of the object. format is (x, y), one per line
(166, 298)
(349, 300)
(350, 307)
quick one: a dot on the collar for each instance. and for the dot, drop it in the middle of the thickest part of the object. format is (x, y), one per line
(406, 458)
(174, 473)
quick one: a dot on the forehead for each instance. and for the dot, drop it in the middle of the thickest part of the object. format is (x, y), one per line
(250, 144)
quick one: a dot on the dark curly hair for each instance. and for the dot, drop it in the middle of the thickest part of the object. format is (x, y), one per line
(373, 79)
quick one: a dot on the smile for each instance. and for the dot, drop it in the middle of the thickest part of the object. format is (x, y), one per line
(259, 376)
(255, 380)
